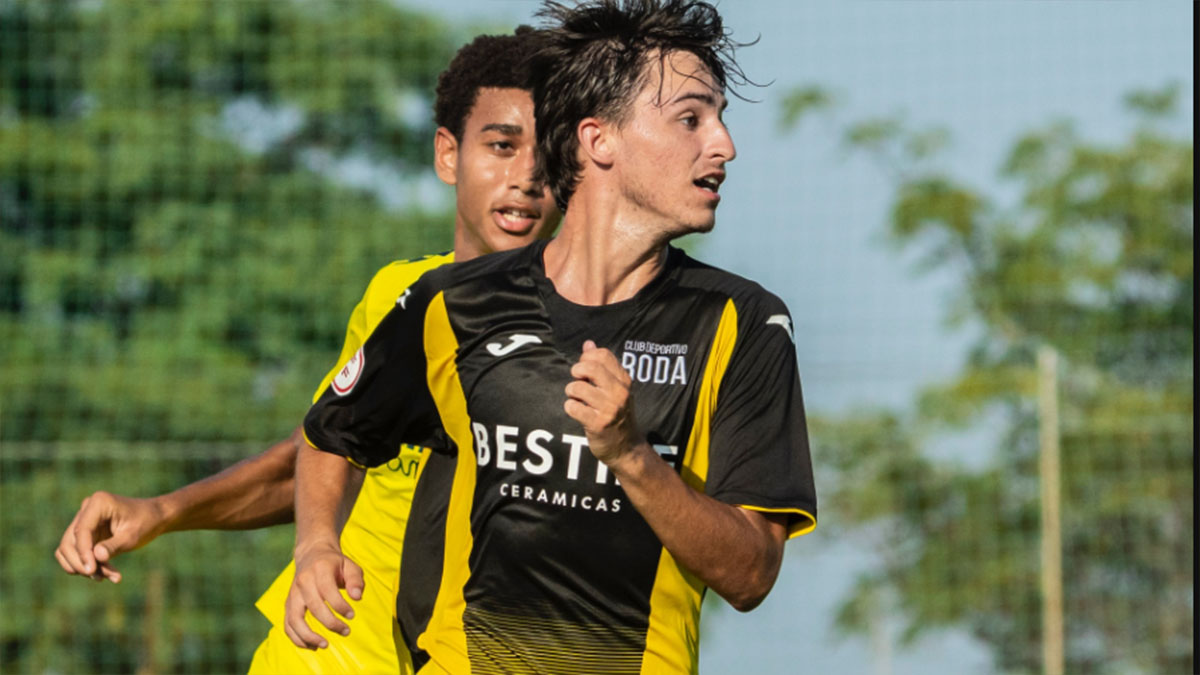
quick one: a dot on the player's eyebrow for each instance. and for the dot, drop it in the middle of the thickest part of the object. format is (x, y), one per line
(703, 97)
(506, 129)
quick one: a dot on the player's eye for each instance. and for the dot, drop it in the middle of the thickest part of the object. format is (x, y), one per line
(690, 121)
(502, 147)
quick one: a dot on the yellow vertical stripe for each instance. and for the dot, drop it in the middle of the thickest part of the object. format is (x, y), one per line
(695, 464)
(673, 637)
(379, 299)
(444, 638)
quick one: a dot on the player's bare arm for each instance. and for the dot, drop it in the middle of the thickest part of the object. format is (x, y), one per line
(255, 492)
(326, 487)
(736, 552)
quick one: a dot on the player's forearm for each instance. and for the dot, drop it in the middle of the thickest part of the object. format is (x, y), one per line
(255, 492)
(326, 488)
(735, 552)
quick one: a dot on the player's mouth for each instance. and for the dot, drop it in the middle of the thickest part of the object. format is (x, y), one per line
(516, 220)
(710, 184)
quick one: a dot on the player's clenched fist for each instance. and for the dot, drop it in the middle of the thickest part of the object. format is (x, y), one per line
(320, 574)
(600, 399)
(107, 525)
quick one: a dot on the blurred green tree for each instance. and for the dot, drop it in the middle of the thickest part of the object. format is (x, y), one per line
(183, 236)
(190, 206)
(1094, 259)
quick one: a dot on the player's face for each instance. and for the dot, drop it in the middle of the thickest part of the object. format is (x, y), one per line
(674, 146)
(498, 205)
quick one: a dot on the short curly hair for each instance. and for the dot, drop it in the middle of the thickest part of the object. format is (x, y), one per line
(500, 61)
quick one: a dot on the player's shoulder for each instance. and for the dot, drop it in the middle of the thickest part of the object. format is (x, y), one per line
(759, 311)
(746, 294)
(400, 274)
(390, 281)
(515, 261)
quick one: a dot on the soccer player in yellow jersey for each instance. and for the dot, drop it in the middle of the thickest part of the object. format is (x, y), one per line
(483, 147)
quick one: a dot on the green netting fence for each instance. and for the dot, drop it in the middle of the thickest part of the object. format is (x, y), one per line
(194, 194)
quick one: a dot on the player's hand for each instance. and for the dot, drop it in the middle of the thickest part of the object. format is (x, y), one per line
(320, 574)
(600, 399)
(105, 526)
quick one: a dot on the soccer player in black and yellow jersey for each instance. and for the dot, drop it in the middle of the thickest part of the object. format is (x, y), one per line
(613, 427)
(484, 147)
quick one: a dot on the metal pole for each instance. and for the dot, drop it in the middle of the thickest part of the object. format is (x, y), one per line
(881, 634)
(1048, 467)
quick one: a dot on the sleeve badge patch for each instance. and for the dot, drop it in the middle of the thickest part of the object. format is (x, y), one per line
(348, 376)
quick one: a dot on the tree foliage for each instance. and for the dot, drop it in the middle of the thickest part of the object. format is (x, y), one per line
(183, 232)
(187, 606)
(1093, 259)
(182, 239)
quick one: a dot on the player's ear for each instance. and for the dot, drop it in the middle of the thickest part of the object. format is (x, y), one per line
(445, 156)
(596, 140)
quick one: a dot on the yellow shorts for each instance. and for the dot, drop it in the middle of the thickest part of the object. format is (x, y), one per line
(370, 647)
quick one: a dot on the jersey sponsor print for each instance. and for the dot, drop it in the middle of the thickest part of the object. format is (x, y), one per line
(523, 553)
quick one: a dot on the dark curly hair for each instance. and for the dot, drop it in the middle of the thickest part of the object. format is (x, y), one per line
(592, 64)
(500, 61)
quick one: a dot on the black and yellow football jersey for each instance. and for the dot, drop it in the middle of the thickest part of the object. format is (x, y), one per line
(522, 553)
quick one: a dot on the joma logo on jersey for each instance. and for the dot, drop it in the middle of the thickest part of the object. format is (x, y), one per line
(783, 322)
(515, 342)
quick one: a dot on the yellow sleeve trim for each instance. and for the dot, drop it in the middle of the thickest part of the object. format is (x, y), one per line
(304, 433)
(796, 526)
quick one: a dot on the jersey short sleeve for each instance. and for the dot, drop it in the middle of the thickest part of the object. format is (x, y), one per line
(380, 297)
(760, 457)
(378, 399)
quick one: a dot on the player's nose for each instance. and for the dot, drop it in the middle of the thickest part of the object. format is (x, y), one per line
(721, 144)
(521, 173)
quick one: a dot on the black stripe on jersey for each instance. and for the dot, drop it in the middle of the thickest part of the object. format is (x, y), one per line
(421, 564)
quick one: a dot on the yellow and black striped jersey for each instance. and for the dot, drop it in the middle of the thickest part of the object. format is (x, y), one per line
(522, 553)
(374, 532)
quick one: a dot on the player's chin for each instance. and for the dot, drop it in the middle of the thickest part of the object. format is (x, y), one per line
(505, 241)
(697, 225)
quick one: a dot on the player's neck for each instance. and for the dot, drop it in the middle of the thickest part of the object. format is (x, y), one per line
(466, 244)
(600, 255)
